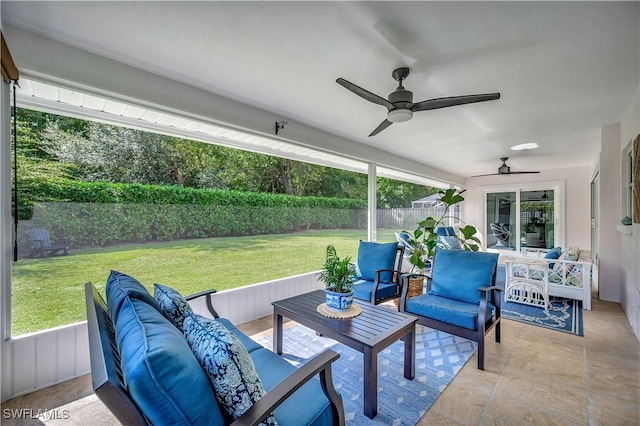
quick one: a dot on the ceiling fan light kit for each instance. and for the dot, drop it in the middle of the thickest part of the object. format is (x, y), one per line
(400, 105)
(399, 115)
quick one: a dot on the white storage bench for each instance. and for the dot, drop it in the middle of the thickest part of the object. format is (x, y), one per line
(569, 276)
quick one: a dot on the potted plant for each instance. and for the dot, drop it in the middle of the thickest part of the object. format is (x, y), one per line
(424, 238)
(337, 275)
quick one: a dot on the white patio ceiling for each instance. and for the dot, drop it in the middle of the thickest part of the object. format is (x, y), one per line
(564, 69)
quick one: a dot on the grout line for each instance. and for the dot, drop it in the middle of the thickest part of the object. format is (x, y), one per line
(501, 373)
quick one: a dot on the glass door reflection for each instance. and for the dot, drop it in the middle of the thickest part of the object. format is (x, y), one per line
(537, 218)
(501, 221)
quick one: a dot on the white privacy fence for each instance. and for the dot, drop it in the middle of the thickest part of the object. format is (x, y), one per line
(406, 218)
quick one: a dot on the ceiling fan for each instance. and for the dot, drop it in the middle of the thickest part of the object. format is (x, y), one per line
(505, 170)
(400, 105)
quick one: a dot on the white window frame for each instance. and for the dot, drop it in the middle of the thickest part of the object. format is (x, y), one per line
(559, 207)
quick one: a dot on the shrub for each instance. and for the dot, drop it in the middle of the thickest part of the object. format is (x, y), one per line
(98, 213)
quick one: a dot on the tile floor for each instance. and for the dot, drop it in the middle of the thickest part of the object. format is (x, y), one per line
(534, 377)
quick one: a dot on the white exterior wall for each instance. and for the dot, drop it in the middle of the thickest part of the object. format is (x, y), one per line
(629, 244)
(577, 205)
(609, 266)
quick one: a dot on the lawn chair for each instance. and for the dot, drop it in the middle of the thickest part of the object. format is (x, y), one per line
(41, 243)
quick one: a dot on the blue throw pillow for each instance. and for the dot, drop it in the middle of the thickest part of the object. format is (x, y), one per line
(457, 274)
(119, 287)
(554, 253)
(373, 257)
(172, 305)
(161, 373)
(451, 243)
(227, 364)
(444, 231)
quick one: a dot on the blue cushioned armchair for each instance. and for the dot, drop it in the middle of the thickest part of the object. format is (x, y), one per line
(378, 271)
(461, 297)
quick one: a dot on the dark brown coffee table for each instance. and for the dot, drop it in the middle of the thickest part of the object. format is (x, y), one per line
(373, 330)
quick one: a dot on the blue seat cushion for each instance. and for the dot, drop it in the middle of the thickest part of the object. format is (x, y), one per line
(457, 274)
(363, 289)
(249, 344)
(119, 287)
(446, 310)
(227, 363)
(373, 257)
(306, 406)
(161, 372)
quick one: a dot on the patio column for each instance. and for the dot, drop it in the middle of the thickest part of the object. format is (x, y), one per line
(372, 204)
(9, 75)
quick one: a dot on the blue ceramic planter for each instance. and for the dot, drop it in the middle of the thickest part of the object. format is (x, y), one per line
(338, 301)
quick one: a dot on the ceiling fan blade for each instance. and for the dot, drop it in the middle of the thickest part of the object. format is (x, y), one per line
(488, 174)
(453, 101)
(519, 173)
(365, 94)
(381, 127)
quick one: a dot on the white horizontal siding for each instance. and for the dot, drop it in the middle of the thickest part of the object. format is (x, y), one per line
(39, 360)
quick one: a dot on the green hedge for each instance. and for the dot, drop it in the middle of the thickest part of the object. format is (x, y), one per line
(103, 214)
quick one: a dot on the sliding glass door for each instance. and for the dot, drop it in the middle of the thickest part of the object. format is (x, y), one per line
(501, 221)
(526, 216)
(537, 218)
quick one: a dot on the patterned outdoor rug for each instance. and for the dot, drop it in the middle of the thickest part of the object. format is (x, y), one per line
(563, 315)
(439, 357)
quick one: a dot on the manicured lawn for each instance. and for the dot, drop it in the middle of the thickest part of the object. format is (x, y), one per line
(50, 292)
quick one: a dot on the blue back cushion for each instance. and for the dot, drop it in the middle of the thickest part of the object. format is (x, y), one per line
(119, 287)
(375, 256)
(444, 231)
(457, 274)
(162, 374)
(554, 253)
(451, 243)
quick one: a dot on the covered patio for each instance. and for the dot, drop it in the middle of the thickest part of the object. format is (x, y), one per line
(585, 152)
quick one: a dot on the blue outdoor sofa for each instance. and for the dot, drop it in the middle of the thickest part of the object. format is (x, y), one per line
(144, 370)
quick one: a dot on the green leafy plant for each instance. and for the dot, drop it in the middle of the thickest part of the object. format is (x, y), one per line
(337, 274)
(424, 238)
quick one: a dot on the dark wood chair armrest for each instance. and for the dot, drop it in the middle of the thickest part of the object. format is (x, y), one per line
(320, 364)
(207, 294)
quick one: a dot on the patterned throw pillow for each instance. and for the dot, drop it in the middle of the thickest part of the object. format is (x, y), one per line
(227, 364)
(173, 305)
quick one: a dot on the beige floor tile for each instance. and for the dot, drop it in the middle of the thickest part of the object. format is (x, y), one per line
(607, 411)
(563, 364)
(617, 385)
(435, 418)
(544, 393)
(463, 400)
(504, 411)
